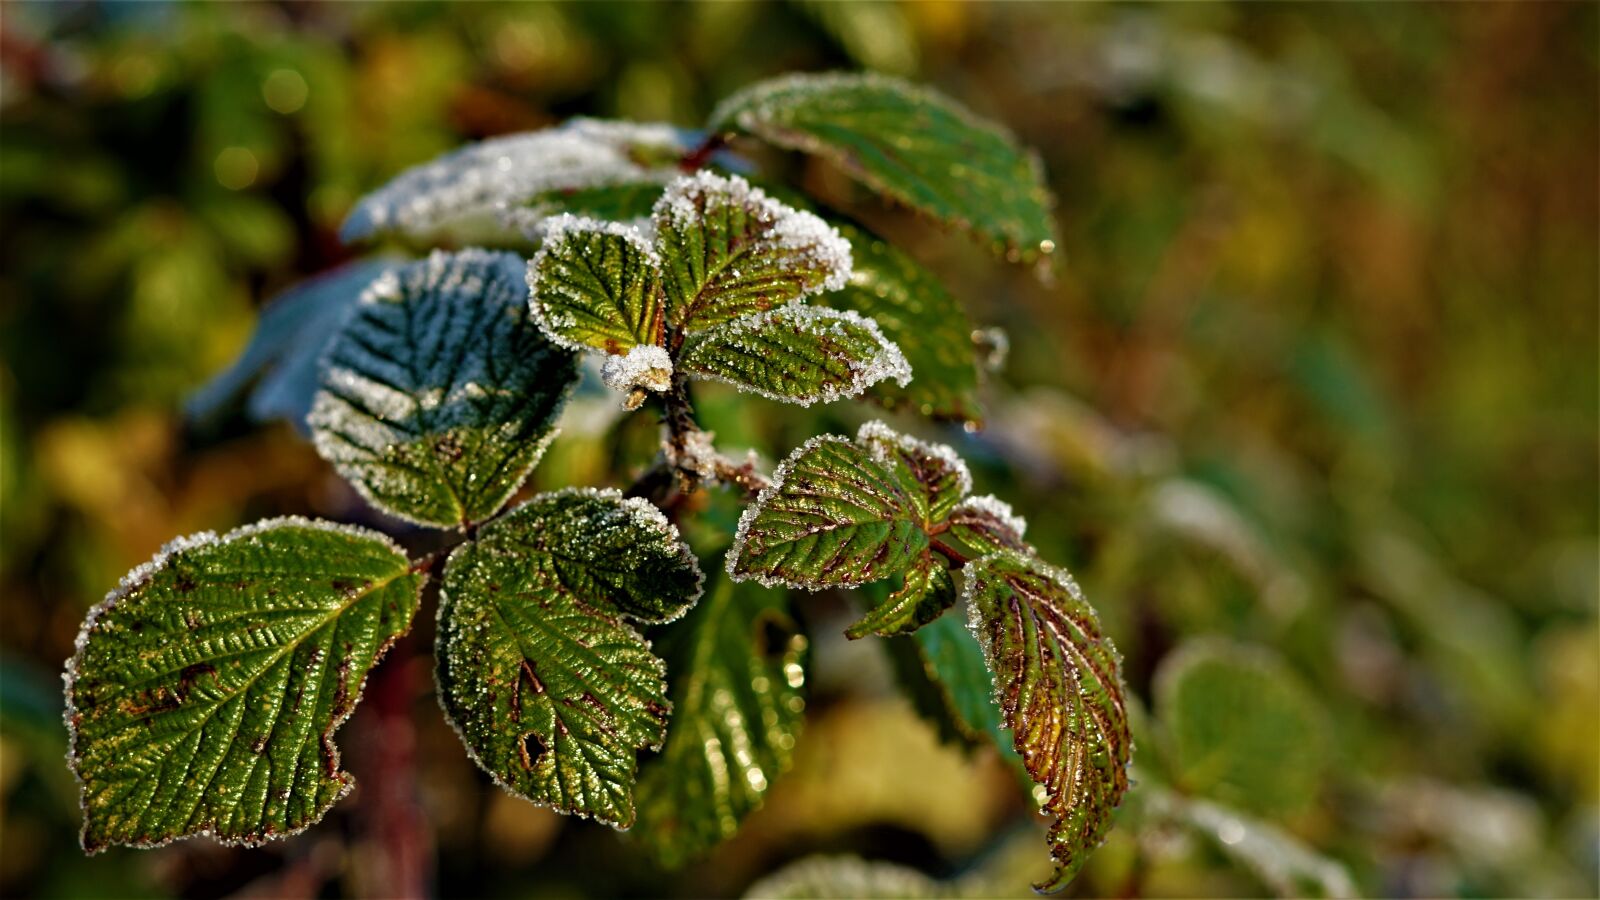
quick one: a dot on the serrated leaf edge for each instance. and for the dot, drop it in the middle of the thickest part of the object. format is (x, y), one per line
(138, 577)
(557, 230)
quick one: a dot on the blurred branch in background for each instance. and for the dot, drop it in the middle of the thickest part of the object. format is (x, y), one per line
(1318, 373)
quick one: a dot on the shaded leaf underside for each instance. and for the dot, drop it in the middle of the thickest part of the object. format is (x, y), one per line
(205, 692)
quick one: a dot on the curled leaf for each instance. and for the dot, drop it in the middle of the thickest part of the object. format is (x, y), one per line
(465, 189)
(596, 285)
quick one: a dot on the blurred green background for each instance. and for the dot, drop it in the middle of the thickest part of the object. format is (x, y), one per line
(1315, 389)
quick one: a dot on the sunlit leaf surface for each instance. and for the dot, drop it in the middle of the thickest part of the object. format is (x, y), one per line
(596, 285)
(552, 690)
(206, 690)
(441, 394)
(736, 665)
(913, 144)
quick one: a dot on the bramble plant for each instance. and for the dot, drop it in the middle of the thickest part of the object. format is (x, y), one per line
(206, 690)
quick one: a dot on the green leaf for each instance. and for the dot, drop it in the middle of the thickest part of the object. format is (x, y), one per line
(833, 517)
(909, 143)
(462, 192)
(926, 592)
(440, 395)
(277, 371)
(729, 250)
(1241, 727)
(596, 285)
(1058, 683)
(737, 664)
(552, 691)
(206, 689)
(797, 354)
(922, 319)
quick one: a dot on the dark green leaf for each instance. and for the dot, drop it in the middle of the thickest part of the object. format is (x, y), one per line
(461, 193)
(206, 689)
(729, 250)
(833, 517)
(797, 354)
(910, 143)
(596, 285)
(921, 317)
(1060, 691)
(736, 663)
(552, 691)
(1241, 727)
(440, 394)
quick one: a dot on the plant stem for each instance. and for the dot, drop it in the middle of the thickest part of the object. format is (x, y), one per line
(699, 156)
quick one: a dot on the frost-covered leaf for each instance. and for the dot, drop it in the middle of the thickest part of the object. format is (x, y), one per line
(912, 144)
(833, 517)
(465, 189)
(798, 354)
(926, 592)
(933, 475)
(596, 285)
(1241, 727)
(924, 321)
(1060, 691)
(440, 394)
(278, 369)
(551, 689)
(737, 676)
(206, 689)
(728, 250)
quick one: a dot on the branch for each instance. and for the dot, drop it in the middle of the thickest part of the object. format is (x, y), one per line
(689, 455)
